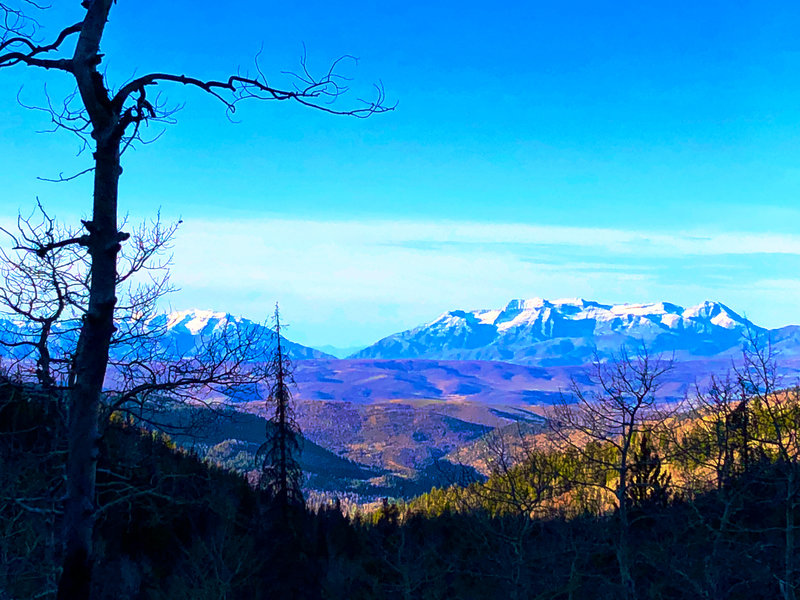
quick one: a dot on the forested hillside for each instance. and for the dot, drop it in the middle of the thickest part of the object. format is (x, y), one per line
(708, 509)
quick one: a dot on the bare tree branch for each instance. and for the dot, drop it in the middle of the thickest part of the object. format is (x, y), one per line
(29, 55)
(62, 179)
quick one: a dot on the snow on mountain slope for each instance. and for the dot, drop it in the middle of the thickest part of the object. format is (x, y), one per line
(180, 333)
(191, 325)
(569, 331)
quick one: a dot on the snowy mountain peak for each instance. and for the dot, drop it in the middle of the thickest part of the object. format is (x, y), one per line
(659, 308)
(196, 321)
(522, 304)
(568, 331)
(709, 309)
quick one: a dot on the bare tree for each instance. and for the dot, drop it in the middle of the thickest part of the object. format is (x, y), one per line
(45, 291)
(713, 444)
(741, 438)
(601, 424)
(109, 121)
(524, 474)
(147, 376)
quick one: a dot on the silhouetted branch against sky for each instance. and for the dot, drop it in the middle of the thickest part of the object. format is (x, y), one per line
(135, 103)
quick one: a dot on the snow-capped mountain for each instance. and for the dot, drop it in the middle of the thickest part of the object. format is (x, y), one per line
(179, 334)
(569, 331)
(186, 329)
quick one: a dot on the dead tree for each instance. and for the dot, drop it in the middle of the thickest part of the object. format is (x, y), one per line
(43, 290)
(109, 121)
(523, 479)
(47, 292)
(716, 439)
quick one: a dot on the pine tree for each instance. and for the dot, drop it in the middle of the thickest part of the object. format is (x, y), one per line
(648, 484)
(281, 474)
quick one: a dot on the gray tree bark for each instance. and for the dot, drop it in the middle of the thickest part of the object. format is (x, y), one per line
(91, 356)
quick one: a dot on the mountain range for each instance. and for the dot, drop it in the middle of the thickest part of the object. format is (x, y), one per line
(178, 334)
(573, 331)
(533, 332)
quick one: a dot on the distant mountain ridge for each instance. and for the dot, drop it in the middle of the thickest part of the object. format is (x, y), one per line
(534, 332)
(569, 332)
(339, 351)
(180, 333)
(187, 327)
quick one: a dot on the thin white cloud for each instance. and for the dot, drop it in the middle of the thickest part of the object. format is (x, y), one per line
(360, 280)
(374, 233)
(351, 282)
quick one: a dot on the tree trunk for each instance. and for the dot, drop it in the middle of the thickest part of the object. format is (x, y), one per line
(624, 554)
(788, 584)
(623, 550)
(88, 370)
(87, 376)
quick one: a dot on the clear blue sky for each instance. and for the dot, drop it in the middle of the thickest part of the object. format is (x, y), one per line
(625, 151)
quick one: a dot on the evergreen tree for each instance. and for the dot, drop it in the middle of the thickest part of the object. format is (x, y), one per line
(648, 483)
(281, 474)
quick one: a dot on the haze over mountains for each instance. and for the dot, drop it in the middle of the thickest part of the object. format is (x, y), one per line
(422, 393)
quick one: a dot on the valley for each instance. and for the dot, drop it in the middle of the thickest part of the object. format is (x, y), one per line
(382, 421)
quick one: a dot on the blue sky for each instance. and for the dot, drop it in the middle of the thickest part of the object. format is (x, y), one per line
(620, 151)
